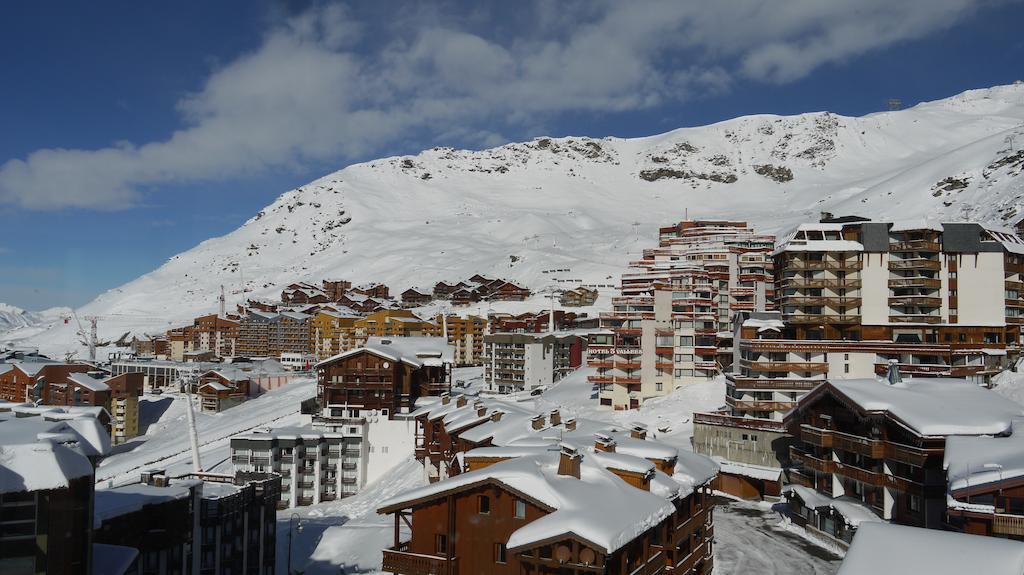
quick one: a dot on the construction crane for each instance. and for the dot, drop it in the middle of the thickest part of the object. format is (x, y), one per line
(90, 337)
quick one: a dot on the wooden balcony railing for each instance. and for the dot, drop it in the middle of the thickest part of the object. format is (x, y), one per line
(821, 318)
(404, 563)
(778, 384)
(741, 405)
(786, 366)
(915, 246)
(1005, 524)
(800, 282)
(915, 282)
(915, 264)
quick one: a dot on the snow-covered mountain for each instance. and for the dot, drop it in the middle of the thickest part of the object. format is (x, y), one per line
(586, 206)
(14, 319)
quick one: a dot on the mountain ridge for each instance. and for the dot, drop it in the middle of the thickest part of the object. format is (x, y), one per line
(588, 205)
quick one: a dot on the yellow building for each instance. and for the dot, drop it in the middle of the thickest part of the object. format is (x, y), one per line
(332, 332)
(393, 322)
(466, 334)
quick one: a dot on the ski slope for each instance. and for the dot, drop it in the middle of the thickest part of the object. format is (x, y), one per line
(586, 206)
(166, 443)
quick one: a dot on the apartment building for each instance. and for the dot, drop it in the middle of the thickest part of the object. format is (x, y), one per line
(413, 297)
(23, 380)
(393, 323)
(465, 335)
(222, 388)
(525, 361)
(269, 334)
(877, 448)
(855, 297)
(673, 316)
(201, 523)
(554, 509)
(46, 494)
(534, 322)
(315, 466)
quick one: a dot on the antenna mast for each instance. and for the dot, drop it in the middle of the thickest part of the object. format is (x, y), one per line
(222, 300)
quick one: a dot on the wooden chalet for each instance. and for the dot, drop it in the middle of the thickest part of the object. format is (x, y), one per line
(538, 510)
(882, 444)
(387, 374)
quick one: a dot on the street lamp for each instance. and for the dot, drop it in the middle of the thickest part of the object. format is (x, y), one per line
(292, 526)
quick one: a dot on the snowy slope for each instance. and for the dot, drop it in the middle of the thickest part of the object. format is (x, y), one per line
(589, 205)
(14, 319)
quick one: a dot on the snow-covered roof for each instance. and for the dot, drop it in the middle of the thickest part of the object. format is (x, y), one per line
(853, 512)
(763, 325)
(599, 507)
(886, 549)
(915, 224)
(38, 453)
(306, 432)
(88, 382)
(934, 406)
(119, 501)
(414, 351)
(746, 470)
(976, 461)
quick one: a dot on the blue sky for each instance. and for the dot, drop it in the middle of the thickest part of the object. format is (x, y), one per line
(133, 131)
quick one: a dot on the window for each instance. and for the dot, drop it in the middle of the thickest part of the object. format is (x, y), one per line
(483, 505)
(441, 544)
(499, 553)
(659, 386)
(520, 509)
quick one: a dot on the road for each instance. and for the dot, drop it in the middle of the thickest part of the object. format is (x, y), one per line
(748, 540)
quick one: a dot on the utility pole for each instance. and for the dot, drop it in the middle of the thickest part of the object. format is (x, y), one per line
(193, 434)
(92, 338)
(222, 300)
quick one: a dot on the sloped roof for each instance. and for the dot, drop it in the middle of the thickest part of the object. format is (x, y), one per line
(414, 351)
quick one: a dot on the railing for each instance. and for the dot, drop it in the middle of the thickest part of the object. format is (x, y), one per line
(915, 282)
(405, 563)
(800, 300)
(741, 405)
(821, 318)
(1005, 524)
(733, 421)
(915, 264)
(786, 366)
(815, 436)
(915, 318)
(655, 564)
(915, 300)
(779, 384)
(915, 246)
(799, 282)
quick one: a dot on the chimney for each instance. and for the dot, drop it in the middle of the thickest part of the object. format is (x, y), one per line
(604, 443)
(638, 431)
(496, 416)
(555, 417)
(481, 411)
(461, 401)
(825, 216)
(570, 424)
(537, 422)
(894, 376)
(569, 461)
(445, 399)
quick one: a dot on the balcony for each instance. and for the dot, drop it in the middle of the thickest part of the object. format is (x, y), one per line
(599, 379)
(915, 264)
(799, 282)
(914, 300)
(832, 301)
(822, 265)
(742, 405)
(1004, 524)
(915, 318)
(774, 384)
(725, 420)
(399, 560)
(821, 318)
(915, 246)
(786, 366)
(915, 282)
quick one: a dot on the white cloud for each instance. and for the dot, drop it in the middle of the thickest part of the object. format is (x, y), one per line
(324, 87)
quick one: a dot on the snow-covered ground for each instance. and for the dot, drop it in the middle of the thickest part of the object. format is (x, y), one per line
(166, 442)
(573, 211)
(751, 538)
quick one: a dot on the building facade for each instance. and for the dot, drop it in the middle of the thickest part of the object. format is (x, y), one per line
(525, 361)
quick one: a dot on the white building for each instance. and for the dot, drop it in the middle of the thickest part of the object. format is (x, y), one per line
(525, 361)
